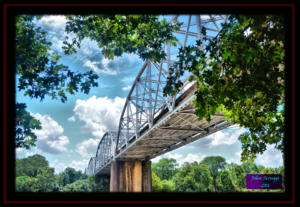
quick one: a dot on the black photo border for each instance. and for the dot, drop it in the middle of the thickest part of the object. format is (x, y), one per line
(11, 197)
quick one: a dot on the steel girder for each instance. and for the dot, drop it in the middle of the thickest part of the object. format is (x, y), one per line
(145, 101)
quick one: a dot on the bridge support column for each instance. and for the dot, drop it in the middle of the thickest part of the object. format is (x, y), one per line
(130, 176)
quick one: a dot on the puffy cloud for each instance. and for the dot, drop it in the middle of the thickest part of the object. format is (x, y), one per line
(236, 158)
(272, 157)
(99, 114)
(100, 67)
(19, 151)
(191, 157)
(225, 137)
(54, 25)
(50, 138)
(128, 80)
(80, 165)
(127, 88)
(58, 166)
(87, 148)
(88, 56)
(180, 158)
(72, 119)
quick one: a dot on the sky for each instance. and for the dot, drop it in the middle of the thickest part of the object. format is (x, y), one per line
(72, 130)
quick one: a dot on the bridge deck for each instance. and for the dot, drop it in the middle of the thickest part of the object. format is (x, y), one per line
(171, 131)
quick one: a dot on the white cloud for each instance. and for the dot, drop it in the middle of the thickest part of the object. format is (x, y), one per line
(19, 151)
(72, 119)
(225, 137)
(80, 165)
(54, 25)
(58, 166)
(87, 148)
(52, 22)
(236, 158)
(50, 138)
(100, 67)
(128, 80)
(89, 55)
(272, 157)
(191, 157)
(175, 156)
(180, 158)
(99, 114)
(127, 88)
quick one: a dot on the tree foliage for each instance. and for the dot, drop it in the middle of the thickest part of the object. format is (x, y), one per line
(156, 183)
(190, 177)
(29, 166)
(165, 168)
(39, 74)
(215, 164)
(37, 68)
(193, 178)
(78, 186)
(238, 175)
(117, 34)
(25, 123)
(240, 73)
(225, 182)
(33, 174)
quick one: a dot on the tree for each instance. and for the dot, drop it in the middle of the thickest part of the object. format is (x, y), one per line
(215, 164)
(25, 123)
(26, 184)
(156, 183)
(46, 181)
(91, 183)
(100, 183)
(29, 166)
(238, 175)
(250, 167)
(225, 182)
(240, 73)
(167, 186)
(193, 178)
(78, 186)
(117, 34)
(70, 175)
(269, 170)
(39, 74)
(165, 168)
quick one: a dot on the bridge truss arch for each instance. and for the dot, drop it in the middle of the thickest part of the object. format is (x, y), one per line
(145, 106)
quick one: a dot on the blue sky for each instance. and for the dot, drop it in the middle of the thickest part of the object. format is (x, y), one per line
(71, 131)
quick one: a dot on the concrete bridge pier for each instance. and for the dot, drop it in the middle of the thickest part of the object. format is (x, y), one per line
(130, 176)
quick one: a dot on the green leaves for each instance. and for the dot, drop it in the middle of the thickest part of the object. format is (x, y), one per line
(117, 34)
(165, 168)
(25, 123)
(39, 75)
(240, 73)
(193, 177)
(38, 71)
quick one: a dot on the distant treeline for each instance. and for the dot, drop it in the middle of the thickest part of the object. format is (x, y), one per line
(212, 174)
(33, 174)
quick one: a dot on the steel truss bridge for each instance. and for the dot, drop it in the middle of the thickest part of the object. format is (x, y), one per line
(151, 124)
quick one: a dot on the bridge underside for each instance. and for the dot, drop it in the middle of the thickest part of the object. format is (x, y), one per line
(179, 129)
(171, 131)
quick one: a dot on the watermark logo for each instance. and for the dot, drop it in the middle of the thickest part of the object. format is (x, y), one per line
(264, 181)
